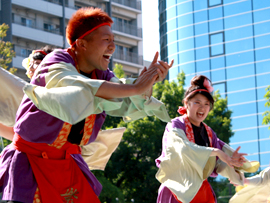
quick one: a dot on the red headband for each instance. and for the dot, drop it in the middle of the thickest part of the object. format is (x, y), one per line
(88, 32)
(198, 90)
(43, 52)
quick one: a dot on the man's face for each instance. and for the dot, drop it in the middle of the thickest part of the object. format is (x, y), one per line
(100, 47)
(33, 66)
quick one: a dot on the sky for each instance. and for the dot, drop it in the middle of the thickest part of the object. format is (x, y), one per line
(150, 28)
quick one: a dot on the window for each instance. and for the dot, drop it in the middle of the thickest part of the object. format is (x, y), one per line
(218, 75)
(264, 156)
(221, 87)
(241, 97)
(25, 52)
(172, 49)
(243, 135)
(244, 122)
(183, 8)
(243, 109)
(202, 53)
(214, 2)
(173, 73)
(27, 22)
(216, 26)
(240, 71)
(202, 66)
(48, 27)
(217, 44)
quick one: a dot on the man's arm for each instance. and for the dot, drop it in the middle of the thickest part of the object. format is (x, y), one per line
(156, 72)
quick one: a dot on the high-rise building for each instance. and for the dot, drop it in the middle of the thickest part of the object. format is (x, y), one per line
(229, 42)
(36, 23)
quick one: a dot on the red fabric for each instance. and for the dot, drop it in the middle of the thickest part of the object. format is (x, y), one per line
(189, 130)
(58, 176)
(204, 195)
(182, 110)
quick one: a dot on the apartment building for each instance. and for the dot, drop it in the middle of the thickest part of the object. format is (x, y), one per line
(36, 23)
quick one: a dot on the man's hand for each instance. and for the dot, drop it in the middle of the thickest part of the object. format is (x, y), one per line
(161, 67)
(156, 67)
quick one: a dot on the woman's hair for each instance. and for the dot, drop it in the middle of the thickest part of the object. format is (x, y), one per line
(39, 55)
(83, 20)
(198, 82)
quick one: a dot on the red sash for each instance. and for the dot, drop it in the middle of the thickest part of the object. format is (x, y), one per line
(58, 177)
(205, 194)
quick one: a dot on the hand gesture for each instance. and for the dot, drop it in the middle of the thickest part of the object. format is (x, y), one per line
(161, 67)
(238, 157)
(236, 160)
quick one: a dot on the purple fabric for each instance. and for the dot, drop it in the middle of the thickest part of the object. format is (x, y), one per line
(36, 126)
(164, 194)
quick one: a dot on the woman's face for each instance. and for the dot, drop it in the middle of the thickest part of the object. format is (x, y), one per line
(33, 66)
(198, 108)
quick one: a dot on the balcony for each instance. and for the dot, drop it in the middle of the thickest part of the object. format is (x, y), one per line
(129, 3)
(127, 28)
(48, 27)
(129, 57)
(39, 35)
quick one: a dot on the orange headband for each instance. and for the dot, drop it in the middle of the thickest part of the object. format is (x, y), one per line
(88, 32)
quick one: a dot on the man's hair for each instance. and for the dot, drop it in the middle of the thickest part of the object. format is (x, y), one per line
(84, 20)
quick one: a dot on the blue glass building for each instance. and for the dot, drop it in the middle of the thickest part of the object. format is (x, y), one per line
(229, 42)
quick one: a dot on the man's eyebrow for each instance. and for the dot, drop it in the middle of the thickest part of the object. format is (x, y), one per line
(109, 35)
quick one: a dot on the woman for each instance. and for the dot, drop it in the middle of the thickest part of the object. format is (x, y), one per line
(190, 151)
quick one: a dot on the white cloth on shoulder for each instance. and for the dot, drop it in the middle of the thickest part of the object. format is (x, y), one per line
(11, 94)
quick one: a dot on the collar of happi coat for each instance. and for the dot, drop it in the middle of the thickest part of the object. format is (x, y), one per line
(189, 130)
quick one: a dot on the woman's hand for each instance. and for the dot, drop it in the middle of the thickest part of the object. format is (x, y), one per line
(236, 160)
(238, 157)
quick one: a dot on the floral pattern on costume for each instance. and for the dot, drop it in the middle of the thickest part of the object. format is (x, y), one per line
(189, 130)
(37, 196)
(62, 136)
(88, 128)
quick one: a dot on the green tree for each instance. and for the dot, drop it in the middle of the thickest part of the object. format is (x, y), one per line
(6, 49)
(118, 71)
(266, 114)
(132, 167)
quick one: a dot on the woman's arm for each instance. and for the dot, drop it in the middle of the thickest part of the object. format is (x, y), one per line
(6, 132)
(236, 160)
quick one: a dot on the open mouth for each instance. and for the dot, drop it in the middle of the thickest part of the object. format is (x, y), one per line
(200, 114)
(107, 56)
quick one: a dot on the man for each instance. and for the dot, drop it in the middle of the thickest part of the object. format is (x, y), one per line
(64, 108)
